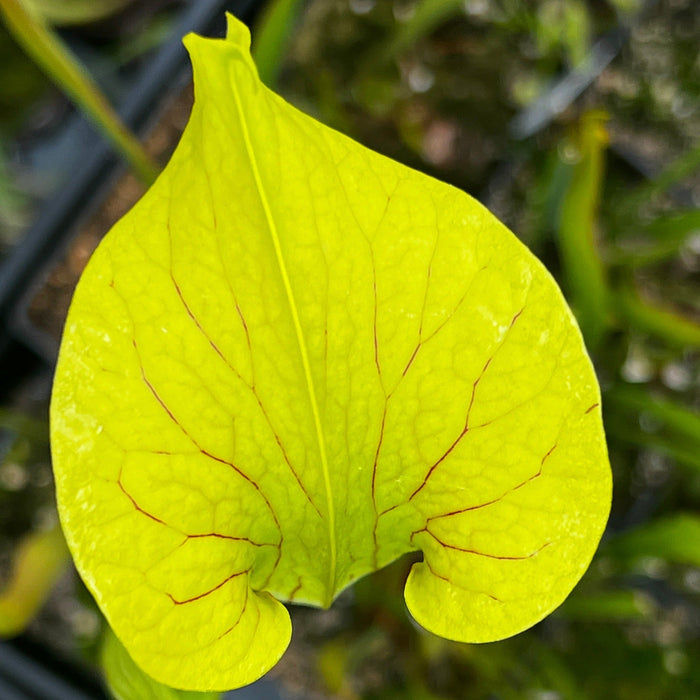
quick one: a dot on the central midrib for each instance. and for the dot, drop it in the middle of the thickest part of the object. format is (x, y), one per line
(272, 226)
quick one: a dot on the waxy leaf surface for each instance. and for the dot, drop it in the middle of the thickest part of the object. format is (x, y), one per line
(126, 681)
(296, 360)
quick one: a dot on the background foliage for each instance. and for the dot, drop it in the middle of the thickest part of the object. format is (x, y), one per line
(577, 123)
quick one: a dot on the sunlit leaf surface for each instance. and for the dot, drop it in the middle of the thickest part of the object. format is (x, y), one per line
(296, 360)
(126, 681)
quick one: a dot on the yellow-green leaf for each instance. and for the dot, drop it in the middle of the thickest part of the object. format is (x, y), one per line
(296, 360)
(126, 681)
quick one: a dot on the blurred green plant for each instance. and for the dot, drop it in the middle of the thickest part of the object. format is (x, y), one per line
(43, 45)
(28, 523)
(21, 83)
(675, 538)
(12, 204)
(40, 558)
(582, 268)
(73, 12)
(272, 36)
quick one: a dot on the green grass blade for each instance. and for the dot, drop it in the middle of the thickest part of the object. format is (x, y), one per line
(686, 456)
(681, 168)
(675, 538)
(428, 16)
(46, 49)
(584, 274)
(272, 36)
(607, 606)
(676, 418)
(662, 323)
(655, 241)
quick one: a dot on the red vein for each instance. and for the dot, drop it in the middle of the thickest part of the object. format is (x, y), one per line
(250, 386)
(435, 573)
(244, 476)
(588, 410)
(466, 427)
(493, 501)
(210, 591)
(422, 341)
(374, 483)
(374, 319)
(295, 590)
(233, 369)
(374, 273)
(220, 460)
(245, 330)
(136, 505)
(458, 439)
(218, 535)
(376, 455)
(231, 538)
(410, 361)
(285, 456)
(194, 442)
(452, 583)
(240, 617)
(476, 552)
(428, 278)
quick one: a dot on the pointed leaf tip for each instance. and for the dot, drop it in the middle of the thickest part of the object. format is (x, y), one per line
(211, 54)
(237, 32)
(296, 360)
